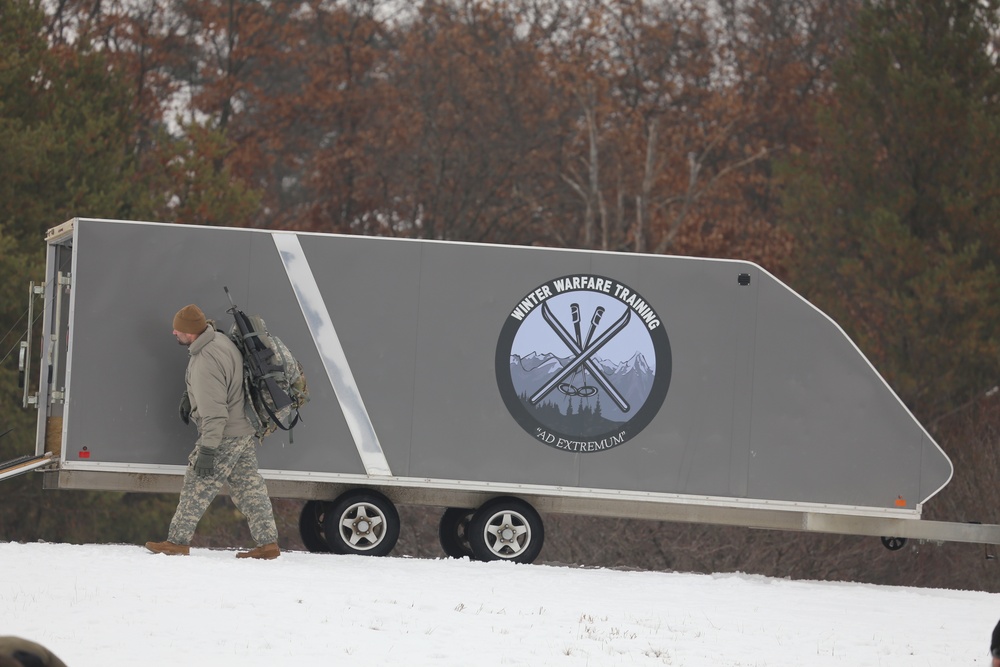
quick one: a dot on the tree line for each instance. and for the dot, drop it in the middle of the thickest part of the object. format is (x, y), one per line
(851, 148)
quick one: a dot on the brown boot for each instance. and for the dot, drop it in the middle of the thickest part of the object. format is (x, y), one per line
(263, 552)
(168, 548)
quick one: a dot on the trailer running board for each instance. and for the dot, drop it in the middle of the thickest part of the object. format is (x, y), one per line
(21, 465)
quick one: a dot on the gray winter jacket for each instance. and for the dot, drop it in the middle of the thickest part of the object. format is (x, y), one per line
(214, 380)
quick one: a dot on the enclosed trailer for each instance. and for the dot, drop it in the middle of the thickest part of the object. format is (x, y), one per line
(494, 381)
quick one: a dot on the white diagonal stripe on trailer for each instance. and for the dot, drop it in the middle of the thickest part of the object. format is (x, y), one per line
(331, 352)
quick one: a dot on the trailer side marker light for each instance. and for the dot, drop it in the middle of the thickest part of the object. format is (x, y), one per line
(900, 501)
(84, 453)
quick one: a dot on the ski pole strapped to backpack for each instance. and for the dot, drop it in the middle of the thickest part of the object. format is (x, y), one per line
(274, 381)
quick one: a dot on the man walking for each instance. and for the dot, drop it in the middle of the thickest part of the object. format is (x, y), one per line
(225, 450)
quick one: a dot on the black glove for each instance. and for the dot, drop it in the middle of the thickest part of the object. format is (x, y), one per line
(184, 410)
(204, 464)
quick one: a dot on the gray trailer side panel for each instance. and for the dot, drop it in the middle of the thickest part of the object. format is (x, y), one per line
(461, 429)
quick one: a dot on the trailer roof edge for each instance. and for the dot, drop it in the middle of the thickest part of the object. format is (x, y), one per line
(61, 232)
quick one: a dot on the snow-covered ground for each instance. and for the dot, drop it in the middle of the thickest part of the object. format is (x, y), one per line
(100, 605)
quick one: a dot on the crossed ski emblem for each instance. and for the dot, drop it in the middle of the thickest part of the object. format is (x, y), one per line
(583, 351)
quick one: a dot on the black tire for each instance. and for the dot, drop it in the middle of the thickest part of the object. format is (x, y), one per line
(361, 522)
(453, 532)
(506, 529)
(311, 526)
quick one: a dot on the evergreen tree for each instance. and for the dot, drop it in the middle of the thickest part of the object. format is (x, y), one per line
(68, 148)
(895, 214)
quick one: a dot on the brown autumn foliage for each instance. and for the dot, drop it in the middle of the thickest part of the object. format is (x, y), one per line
(619, 125)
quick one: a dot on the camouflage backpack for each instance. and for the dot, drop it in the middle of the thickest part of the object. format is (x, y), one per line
(273, 379)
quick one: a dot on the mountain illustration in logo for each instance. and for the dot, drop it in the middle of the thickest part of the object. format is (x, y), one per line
(580, 400)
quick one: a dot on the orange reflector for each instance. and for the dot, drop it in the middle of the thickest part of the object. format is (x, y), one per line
(900, 501)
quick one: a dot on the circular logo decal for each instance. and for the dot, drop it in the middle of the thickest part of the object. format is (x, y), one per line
(583, 363)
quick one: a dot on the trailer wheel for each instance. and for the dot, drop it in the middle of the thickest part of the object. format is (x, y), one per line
(311, 526)
(506, 529)
(893, 543)
(453, 532)
(362, 522)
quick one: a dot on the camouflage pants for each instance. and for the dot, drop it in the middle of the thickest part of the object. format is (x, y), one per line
(235, 463)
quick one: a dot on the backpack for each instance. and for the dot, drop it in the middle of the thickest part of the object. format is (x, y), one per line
(273, 379)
